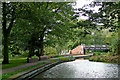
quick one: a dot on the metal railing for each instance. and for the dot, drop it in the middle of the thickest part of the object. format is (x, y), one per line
(96, 47)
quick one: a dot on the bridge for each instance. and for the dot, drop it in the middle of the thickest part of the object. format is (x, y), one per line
(97, 47)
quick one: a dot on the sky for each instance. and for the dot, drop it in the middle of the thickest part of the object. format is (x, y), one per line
(81, 3)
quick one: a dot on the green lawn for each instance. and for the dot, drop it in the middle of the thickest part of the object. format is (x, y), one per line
(14, 62)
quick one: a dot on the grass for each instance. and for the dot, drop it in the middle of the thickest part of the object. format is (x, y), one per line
(14, 62)
(7, 75)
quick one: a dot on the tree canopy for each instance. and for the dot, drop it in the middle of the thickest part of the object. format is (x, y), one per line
(33, 27)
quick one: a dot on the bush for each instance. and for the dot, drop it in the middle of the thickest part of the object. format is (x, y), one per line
(108, 53)
(50, 51)
(25, 53)
(96, 53)
(86, 51)
(115, 61)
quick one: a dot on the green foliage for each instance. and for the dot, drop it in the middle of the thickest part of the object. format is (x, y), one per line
(108, 16)
(108, 53)
(25, 53)
(50, 51)
(96, 53)
(113, 43)
(44, 28)
(104, 58)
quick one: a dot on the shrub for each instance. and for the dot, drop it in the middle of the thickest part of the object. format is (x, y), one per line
(108, 53)
(50, 51)
(25, 53)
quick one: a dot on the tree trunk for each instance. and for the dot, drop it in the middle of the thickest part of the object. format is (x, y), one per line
(31, 53)
(41, 42)
(31, 50)
(41, 48)
(5, 50)
(6, 33)
(38, 54)
(5, 37)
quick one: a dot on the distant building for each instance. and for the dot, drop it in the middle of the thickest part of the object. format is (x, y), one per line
(78, 50)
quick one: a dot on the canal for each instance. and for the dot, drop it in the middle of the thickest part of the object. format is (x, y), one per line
(81, 69)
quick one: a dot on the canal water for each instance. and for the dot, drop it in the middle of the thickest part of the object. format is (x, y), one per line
(81, 69)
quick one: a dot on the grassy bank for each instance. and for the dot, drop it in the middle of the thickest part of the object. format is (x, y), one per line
(108, 58)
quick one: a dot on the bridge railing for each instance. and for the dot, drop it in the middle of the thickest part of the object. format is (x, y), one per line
(96, 47)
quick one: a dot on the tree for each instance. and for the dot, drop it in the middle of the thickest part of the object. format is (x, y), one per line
(7, 23)
(48, 19)
(108, 15)
(10, 12)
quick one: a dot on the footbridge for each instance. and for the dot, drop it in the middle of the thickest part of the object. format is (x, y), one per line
(101, 47)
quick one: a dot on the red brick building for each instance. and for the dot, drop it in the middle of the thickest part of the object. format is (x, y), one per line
(78, 50)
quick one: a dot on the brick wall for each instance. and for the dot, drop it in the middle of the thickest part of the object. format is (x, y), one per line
(78, 50)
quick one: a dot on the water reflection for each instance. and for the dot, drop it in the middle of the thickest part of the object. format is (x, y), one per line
(81, 69)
